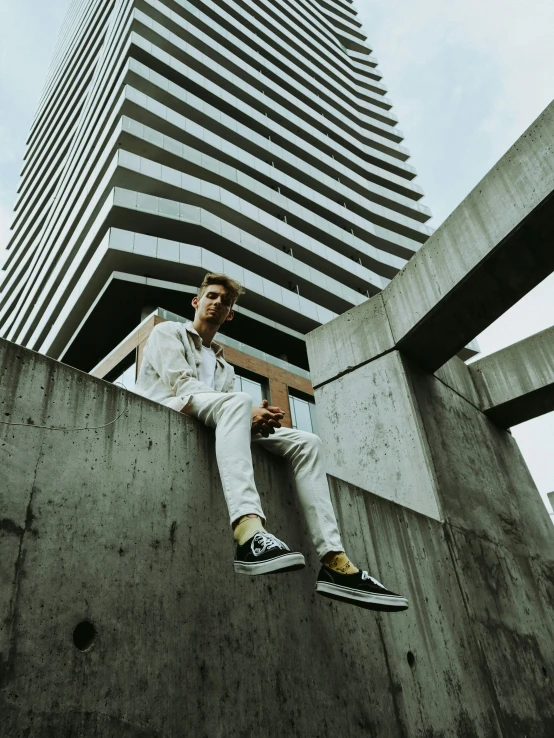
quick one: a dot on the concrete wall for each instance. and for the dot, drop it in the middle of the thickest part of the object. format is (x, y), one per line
(126, 527)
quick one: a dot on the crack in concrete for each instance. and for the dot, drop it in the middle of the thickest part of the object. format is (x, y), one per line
(471, 619)
(351, 369)
(6, 667)
(393, 693)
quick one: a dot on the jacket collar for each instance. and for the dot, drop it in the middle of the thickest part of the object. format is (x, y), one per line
(217, 347)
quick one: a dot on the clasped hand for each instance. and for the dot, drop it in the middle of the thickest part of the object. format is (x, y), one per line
(265, 418)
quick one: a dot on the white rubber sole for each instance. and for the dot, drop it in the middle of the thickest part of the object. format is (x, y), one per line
(286, 562)
(369, 600)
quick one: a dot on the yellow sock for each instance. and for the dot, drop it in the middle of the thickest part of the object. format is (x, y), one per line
(246, 527)
(339, 562)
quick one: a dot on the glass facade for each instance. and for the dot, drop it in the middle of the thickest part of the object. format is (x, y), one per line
(303, 414)
(256, 390)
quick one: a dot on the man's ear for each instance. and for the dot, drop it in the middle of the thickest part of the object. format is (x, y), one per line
(194, 303)
(230, 316)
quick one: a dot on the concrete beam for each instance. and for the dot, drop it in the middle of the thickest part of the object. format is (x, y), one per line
(353, 339)
(494, 248)
(517, 383)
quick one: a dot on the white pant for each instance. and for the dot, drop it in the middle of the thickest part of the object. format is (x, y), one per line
(231, 416)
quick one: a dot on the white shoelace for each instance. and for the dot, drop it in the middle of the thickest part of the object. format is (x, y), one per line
(366, 575)
(266, 541)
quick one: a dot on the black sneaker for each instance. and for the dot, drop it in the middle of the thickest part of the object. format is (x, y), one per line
(359, 589)
(264, 554)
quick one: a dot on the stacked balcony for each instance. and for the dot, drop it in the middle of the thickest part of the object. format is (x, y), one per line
(175, 138)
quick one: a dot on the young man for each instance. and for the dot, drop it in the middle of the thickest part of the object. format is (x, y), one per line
(184, 369)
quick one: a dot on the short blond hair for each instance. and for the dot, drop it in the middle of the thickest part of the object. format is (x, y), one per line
(233, 288)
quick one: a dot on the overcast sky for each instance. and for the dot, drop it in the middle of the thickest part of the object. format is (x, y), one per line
(466, 77)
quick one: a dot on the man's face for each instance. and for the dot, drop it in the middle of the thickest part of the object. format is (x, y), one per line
(214, 306)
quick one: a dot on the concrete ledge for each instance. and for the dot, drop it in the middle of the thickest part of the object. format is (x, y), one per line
(517, 383)
(124, 526)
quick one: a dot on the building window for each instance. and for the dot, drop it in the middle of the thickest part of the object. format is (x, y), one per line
(303, 413)
(255, 388)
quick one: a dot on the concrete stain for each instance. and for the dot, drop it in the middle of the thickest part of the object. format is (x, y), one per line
(10, 527)
(172, 534)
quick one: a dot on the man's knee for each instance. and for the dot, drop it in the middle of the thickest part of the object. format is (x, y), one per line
(240, 400)
(310, 442)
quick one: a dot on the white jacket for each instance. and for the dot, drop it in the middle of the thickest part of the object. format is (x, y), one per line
(170, 366)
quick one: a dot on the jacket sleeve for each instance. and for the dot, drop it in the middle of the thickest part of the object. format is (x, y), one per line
(166, 353)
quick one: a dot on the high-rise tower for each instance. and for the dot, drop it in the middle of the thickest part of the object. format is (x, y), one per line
(174, 137)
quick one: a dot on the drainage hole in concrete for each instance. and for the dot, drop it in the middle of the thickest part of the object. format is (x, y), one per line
(411, 658)
(84, 635)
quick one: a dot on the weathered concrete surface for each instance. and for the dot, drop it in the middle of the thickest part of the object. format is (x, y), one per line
(517, 383)
(484, 486)
(126, 526)
(493, 249)
(356, 337)
(374, 436)
(456, 376)
(350, 340)
(496, 527)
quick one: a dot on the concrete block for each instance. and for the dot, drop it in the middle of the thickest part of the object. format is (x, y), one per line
(412, 552)
(373, 436)
(354, 338)
(483, 484)
(509, 596)
(517, 383)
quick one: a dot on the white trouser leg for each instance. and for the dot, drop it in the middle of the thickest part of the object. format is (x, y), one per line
(303, 450)
(231, 416)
